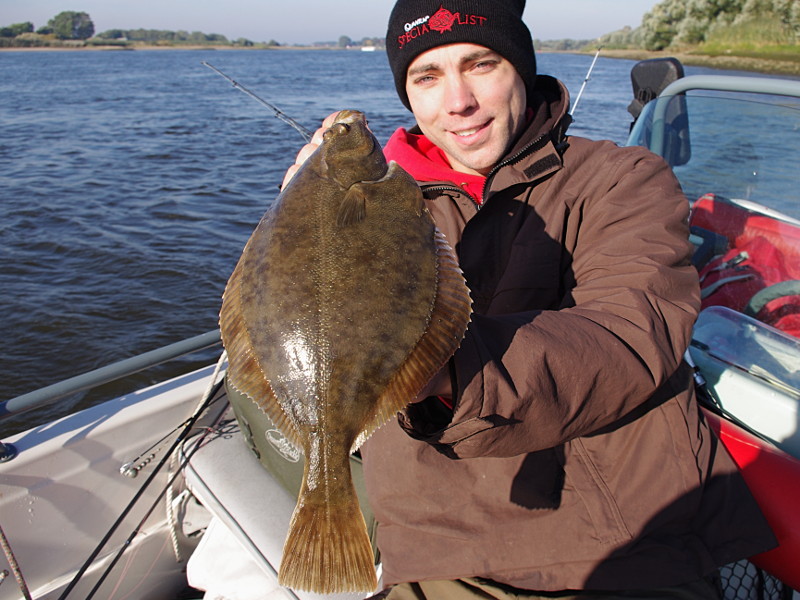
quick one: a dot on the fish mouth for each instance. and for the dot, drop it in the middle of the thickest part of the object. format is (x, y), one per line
(350, 116)
(353, 120)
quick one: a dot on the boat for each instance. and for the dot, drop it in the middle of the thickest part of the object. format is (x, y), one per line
(135, 498)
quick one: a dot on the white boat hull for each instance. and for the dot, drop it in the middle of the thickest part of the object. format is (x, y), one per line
(64, 491)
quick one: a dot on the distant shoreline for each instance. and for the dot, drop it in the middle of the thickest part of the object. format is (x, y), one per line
(147, 47)
(738, 63)
(122, 48)
(726, 62)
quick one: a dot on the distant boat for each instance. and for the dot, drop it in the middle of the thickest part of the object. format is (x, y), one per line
(368, 48)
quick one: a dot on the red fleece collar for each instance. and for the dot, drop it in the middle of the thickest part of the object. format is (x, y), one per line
(427, 162)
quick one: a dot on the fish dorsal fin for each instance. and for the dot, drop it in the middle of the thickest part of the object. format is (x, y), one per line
(244, 373)
(447, 325)
(353, 208)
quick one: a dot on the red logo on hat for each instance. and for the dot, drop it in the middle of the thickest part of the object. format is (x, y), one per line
(442, 20)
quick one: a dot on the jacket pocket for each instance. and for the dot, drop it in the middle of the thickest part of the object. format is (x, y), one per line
(586, 481)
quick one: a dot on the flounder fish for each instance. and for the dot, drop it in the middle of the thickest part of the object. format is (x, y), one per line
(345, 302)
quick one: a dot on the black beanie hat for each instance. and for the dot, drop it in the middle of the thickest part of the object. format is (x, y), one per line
(416, 26)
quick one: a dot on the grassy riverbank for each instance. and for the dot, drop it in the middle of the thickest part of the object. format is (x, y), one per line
(760, 43)
(775, 61)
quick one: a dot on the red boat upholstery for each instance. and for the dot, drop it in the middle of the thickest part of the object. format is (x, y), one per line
(762, 255)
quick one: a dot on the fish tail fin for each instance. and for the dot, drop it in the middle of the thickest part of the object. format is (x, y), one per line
(327, 549)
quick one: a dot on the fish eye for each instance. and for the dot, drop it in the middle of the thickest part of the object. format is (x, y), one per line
(337, 129)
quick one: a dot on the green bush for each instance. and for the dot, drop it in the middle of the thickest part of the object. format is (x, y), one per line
(680, 23)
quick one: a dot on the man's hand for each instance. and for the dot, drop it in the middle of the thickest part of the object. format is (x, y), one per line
(309, 148)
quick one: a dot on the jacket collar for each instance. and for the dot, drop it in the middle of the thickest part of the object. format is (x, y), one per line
(538, 152)
(427, 163)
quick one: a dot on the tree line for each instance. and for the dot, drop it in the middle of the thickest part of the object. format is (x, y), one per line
(66, 25)
(78, 27)
(154, 36)
(75, 27)
(676, 23)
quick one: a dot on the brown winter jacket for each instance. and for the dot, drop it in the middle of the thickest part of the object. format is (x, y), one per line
(575, 456)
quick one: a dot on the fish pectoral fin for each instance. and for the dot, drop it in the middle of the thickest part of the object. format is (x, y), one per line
(354, 206)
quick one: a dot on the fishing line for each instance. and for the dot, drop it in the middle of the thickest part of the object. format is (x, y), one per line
(131, 469)
(307, 135)
(181, 437)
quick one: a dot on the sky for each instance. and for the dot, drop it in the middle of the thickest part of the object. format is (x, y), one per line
(307, 21)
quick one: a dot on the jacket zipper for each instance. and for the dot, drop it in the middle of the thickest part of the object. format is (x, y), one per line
(453, 188)
(560, 129)
(509, 161)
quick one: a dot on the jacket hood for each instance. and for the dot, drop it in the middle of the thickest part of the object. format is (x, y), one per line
(550, 103)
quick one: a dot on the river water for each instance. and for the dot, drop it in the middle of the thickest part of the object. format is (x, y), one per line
(130, 182)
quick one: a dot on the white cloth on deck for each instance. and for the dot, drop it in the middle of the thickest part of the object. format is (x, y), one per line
(224, 570)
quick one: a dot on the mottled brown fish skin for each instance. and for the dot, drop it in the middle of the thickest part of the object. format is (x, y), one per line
(345, 302)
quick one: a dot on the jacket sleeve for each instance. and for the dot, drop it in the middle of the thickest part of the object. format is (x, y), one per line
(533, 380)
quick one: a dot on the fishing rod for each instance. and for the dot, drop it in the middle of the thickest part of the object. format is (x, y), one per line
(137, 530)
(210, 397)
(585, 81)
(276, 111)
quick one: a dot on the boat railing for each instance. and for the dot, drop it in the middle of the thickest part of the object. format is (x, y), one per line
(97, 377)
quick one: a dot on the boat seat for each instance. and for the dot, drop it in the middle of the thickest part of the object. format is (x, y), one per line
(255, 510)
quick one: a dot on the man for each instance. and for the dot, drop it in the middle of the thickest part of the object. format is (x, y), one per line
(562, 451)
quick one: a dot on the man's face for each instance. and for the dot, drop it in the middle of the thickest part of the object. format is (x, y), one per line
(469, 101)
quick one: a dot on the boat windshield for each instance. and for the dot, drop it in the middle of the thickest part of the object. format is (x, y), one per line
(737, 157)
(745, 148)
